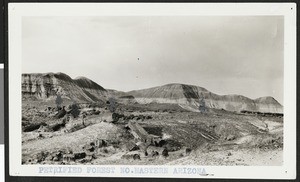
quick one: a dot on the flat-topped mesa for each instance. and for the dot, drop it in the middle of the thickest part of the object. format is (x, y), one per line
(49, 85)
(191, 95)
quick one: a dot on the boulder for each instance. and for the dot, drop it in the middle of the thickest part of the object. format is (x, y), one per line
(89, 147)
(100, 143)
(165, 153)
(136, 157)
(61, 113)
(230, 137)
(58, 154)
(97, 112)
(30, 126)
(172, 145)
(161, 143)
(188, 151)
(79, 155)
(116, 117)
(131, 146)
(57, 125)
(148, 117)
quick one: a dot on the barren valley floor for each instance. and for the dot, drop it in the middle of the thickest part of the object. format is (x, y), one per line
(142, 134)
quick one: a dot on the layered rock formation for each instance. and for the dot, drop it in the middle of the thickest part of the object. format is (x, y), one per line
(191, 95)
(49, 85)
(81, 89)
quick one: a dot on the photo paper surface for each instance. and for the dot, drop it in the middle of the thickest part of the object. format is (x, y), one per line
(152, 90)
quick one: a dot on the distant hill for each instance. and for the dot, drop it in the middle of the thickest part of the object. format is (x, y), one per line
(190, 95)
(81, 89)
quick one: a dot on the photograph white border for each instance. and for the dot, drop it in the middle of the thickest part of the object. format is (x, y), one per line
(17, 10)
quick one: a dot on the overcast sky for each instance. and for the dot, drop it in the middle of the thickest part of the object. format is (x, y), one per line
(226, 55)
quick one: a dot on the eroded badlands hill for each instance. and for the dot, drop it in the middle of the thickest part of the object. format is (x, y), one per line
(49, 85)
(191, 95)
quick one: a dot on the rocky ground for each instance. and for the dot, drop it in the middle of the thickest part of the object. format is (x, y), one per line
(92, 134)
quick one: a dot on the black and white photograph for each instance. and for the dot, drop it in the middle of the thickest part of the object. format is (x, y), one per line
(152, 90)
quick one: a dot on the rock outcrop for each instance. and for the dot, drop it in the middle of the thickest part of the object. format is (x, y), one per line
(191, 95)
(49, 85)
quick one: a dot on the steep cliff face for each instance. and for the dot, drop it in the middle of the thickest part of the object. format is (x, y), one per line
(191, 95)
(49, 85)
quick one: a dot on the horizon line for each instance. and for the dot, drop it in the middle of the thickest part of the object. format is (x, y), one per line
(156, 86)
